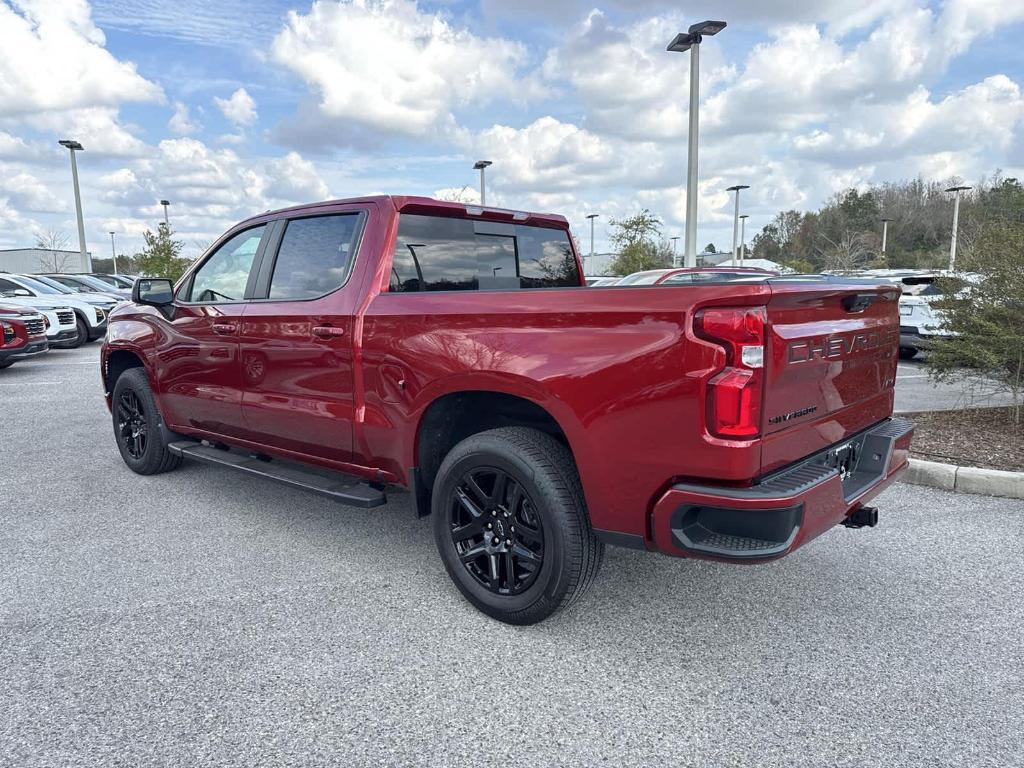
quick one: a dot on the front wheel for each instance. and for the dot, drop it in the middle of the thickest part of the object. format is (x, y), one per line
(907, 353)
(138, 427)
(511, 525)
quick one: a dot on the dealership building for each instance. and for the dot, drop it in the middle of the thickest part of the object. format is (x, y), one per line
(31, 260)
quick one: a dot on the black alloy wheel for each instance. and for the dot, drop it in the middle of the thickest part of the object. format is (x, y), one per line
(131, 424)
(498, 535)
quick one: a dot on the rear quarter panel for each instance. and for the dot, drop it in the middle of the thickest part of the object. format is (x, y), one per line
(617, 368)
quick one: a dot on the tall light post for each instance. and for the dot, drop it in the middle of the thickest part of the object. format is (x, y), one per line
(956, 218)
(690, 41)
(736, 214)
(165, 204)
(113, 253)
(73, 146)
(675, 258)
(480, 165)
(743, 235)
(591, 216)
(885, 233)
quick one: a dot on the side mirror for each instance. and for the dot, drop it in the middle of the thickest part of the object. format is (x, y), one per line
(157, 292)
(22, 292)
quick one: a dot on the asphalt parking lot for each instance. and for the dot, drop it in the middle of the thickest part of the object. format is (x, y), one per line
(915, 391)
(203, 618)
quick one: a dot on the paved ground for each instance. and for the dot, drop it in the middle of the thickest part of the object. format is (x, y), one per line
(199, 618)
(916, 392)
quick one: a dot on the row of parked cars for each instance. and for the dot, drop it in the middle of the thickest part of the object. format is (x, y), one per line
(921, 324)
(39, 312)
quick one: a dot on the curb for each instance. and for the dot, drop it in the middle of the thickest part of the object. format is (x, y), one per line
(949, 477)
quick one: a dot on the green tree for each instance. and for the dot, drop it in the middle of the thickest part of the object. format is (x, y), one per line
(984, 310)
(710, 248)
(639, 244)
(162, 255)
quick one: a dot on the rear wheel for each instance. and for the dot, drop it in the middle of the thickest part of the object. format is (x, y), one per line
(138, 426)
(907, 353)
(6, 364)
(511, 525)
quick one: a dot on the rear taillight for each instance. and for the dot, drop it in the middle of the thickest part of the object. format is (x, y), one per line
(734, 394)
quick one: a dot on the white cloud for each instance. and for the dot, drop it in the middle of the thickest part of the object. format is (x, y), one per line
(181, 123)
(295, 179)
(391, 66)
(240, 109)
(28, 193)
(52, 57)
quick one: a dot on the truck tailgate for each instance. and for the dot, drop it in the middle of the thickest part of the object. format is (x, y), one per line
(830, 365)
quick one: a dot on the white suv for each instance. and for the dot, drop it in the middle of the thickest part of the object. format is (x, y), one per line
(61, 326)
(90, 314)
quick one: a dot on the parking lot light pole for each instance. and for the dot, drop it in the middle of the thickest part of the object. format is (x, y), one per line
(956, 218)
(690, 41)
(113, 253)
(885, 233)
(591, 216)
(166, 204)
(743, 234)
(74, 146)
(736, 215)
(675, 257)
(480, 165)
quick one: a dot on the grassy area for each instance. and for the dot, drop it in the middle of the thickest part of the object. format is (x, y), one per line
(976, 437)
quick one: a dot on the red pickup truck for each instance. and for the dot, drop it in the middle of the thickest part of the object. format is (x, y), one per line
(351, 346)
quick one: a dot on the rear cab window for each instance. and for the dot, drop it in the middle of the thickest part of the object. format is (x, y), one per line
(434, 253)
(315, 256)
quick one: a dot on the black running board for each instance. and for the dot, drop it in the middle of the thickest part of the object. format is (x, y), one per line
(342, 488)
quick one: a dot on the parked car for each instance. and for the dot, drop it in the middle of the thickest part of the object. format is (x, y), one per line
(598, 282)
(60, 321)
(116, 281)
(921, 324)
(22, 334)
(454, 350)
(90, 310)
(88, 284)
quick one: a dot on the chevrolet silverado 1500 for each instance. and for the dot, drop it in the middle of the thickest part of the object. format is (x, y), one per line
(357, 345)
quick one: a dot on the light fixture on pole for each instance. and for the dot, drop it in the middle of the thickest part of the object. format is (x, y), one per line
(74, 146)
(736, 214)
(690, 41)
(956, 218)
(885, 233)
(591, 216)
(480, 165)
(743, 235)
(165, 204)
(113, 253)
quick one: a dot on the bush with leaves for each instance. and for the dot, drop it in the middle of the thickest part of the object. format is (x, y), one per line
(639, 244)
(985, 314)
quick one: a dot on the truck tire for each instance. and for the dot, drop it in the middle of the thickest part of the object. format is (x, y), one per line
(138, 426)
(907, 353)
(511, 524)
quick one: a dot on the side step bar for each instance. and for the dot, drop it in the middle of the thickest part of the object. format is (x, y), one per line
(342, 488)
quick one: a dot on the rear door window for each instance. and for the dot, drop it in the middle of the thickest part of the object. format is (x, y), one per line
(315, 256)
(434, 253)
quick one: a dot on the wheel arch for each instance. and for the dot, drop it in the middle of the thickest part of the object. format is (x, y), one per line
(458, 413)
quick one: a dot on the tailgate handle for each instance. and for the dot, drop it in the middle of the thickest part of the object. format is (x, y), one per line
(858, 302)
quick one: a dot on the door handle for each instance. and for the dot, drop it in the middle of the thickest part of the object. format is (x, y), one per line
(328, 331)
(224, 329)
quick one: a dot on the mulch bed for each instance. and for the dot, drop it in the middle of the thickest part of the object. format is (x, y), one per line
(975, 437)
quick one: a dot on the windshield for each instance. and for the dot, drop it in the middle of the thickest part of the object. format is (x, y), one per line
(52, 283)
(38, 286)
(712, 277)
(642, 278)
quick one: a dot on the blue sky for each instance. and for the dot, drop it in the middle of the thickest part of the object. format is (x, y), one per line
(231, 108)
